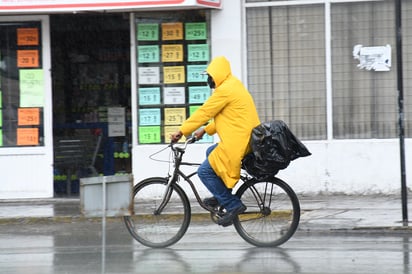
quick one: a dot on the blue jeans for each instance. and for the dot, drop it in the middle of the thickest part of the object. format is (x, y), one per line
(215, 184)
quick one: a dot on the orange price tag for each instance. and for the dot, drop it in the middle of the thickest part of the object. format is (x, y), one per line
(28, 37)
(28, 58)
(27, 136)
(28, 116)
(172, 31)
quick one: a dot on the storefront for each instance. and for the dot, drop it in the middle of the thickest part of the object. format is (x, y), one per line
(114, 78)
(86, 85)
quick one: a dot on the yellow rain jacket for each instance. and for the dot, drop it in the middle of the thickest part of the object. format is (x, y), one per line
(234, 116)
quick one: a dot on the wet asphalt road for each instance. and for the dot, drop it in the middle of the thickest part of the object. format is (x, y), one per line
(85, 247)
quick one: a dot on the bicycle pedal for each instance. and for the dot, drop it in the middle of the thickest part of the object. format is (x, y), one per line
(216, 214)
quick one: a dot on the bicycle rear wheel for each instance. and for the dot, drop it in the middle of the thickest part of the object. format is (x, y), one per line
(272, 214)
(167, 227)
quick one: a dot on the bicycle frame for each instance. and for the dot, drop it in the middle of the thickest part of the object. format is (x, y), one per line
(173, 178)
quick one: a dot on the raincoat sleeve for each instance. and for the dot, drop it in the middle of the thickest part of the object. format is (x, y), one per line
(211, 128)
(216, 102)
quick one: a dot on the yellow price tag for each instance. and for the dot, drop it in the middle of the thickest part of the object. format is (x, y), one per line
(168, 130)
(172, 53)
(174, 75)
(174, 116)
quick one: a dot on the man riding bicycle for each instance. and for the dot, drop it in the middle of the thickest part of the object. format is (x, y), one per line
(234, 116)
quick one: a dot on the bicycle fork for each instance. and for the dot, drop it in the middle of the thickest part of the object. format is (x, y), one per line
(166, 196)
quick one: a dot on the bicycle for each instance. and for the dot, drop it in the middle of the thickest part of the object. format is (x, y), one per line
(163, 212)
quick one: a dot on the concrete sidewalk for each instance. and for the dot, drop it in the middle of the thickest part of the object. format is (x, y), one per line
(318, 213)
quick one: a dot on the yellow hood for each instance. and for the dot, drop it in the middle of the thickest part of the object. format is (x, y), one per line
(219, 70)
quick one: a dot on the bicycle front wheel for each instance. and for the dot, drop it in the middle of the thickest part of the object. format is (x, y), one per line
(272, 214)
(158, 229)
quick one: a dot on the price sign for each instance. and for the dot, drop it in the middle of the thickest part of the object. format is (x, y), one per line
(172, 53)
(28, 58)
(198, 95)
(169, 130)
(149, 135)
(27, 136)
(148, 54)
(194, 73)
(172, 31)
(28, 37)
(147, 32)
(195, 31)
(149, 117)
(174, 116)
(28, 116)
(174, 95)
(149, 96)
(174, 75)
(198, 52)
(149, 75)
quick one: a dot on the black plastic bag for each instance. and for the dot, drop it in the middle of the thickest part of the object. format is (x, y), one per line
(273, 148)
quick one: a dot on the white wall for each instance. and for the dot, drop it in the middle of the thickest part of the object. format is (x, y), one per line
(350, 167)
(26, 176)
(226, 34)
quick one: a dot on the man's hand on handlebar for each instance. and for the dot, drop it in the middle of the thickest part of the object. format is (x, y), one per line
(175, 137)
(199, 133)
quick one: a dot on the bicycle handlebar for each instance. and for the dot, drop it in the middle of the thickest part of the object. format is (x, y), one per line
(189, 140)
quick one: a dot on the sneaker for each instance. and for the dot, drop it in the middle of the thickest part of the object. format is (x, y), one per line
(211, 202)
(228, 218)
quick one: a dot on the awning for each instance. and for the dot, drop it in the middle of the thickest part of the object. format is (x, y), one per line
(52, 6)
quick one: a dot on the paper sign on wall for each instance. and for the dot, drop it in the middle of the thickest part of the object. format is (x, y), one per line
(31, 88)
(27, 36)
(373, 58)
(28, 58)
(149, 135)
(147, 32)
(27, 136)
(174, 75)
(169, 130)
(116, 119)
(198, 94)
(149, 96)
(172, 31)
(28, 116)
(149, 75)
(174, 116)
(174, 95)
(149, 116)
(172, 53)
(195, 31)
(198, 52)
(195, 73)
(148, 54)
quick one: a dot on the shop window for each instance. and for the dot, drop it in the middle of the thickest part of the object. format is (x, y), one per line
(286, 67)
(21, 85)
(287, 77)
(172, 52)
(364, 100)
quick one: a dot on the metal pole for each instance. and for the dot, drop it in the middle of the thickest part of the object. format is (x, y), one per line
(398, 18)
(103, 225)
